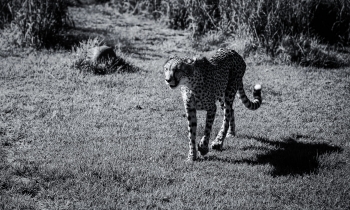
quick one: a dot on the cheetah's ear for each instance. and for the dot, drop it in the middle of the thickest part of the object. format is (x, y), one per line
(190, 61)
(172, 57)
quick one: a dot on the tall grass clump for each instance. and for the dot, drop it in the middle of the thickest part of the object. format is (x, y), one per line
(200, 16)
(6, 11)
(266, 20)
(151, 8)
(273, 20)
(264, 23)
(269, 21)
(309, 52)
(37, 23)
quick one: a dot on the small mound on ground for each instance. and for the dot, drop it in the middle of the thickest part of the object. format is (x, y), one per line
(102, 60)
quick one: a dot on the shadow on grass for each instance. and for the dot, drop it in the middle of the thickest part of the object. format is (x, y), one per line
(289, 157)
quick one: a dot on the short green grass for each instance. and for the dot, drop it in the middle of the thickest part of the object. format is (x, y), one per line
(73, 140)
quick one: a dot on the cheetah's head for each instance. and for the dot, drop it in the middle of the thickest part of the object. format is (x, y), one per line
(177, 70)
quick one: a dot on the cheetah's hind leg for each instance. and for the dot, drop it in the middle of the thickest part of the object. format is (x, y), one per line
(217, 144)
(232, 128)
(203, 147)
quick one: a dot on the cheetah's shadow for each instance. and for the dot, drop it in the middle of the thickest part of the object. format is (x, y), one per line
(291, 157)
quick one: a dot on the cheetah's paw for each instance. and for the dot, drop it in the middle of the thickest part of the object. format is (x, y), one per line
(217, 145)
(203, 149)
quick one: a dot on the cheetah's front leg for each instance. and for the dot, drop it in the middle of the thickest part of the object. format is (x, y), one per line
(203, 144)
(192, 129)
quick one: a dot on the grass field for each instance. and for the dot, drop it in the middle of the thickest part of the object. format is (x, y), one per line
(72, 140)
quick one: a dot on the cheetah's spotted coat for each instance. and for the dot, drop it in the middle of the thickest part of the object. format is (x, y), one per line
(203, 82)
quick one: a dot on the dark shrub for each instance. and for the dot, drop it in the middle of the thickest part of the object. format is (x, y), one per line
(39, 23)
(331, 20)
(7, 11)
(265, 21)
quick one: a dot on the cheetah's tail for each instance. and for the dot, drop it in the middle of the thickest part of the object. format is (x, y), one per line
(245, 100)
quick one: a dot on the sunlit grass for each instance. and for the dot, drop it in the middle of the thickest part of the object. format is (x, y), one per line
(73, 140)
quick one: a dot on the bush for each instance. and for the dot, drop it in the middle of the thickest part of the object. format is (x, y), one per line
(7, 8)
(331, 20)
(38, 23)
(326, 20)
(265, 22)
(270, 20)
(308, 52)
(5, 14)
(200, 16)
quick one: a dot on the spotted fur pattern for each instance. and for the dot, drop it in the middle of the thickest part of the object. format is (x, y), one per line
(204, 81)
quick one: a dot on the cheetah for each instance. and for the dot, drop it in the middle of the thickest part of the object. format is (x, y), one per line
(204, 81)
